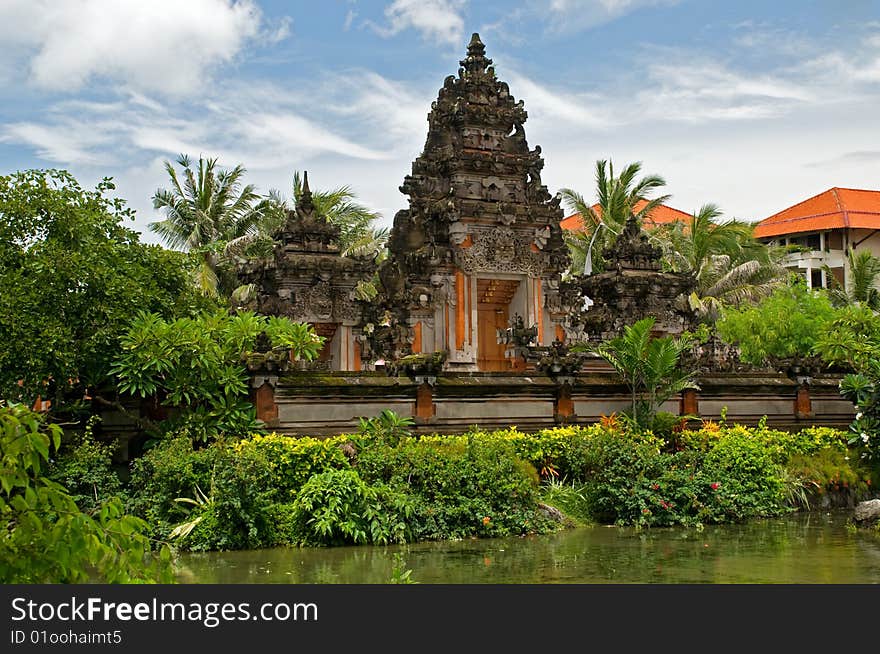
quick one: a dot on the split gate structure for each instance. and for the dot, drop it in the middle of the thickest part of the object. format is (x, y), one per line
(476, 258)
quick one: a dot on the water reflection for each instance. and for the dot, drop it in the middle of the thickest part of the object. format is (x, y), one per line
(813, 548)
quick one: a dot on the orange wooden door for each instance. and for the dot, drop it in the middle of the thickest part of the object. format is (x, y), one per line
(490, 353)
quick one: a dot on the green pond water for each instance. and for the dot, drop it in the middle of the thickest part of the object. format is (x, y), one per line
(811, 548)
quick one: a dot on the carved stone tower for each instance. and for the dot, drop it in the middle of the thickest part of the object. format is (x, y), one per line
(308, 280)
(480, 242)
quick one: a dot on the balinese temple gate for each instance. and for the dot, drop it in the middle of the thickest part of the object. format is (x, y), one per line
(480, 243)
(474, 274)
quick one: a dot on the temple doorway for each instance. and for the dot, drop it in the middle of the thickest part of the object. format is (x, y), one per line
(493, 313)
(328, 331)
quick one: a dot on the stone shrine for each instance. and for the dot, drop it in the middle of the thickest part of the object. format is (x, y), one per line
(632, 287)
(307, 280)
(480, 243)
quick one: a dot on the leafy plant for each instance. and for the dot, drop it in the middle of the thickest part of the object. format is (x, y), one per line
(196, 365)
(46, 537)
(388, 427)
(85, 468)
(651, 367)
(460, 487)
(338, 507)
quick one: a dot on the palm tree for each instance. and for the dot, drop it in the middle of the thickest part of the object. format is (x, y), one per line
(728, 283)
(864, 273)
(207, 214)
(617, 200)
(730, 267)
(650, 366)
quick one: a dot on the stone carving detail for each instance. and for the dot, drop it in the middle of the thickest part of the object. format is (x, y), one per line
(315, 301)
(632, 250)
(499, 250)
(476, 203)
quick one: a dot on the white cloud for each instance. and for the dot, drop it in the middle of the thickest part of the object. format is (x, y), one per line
(56, 143)
(575, 15)
(361, 116)
(159, 46)
(693, 92)
(585, 110)
(386, 111)
(281, 32)
(349, 19)
(438, 20)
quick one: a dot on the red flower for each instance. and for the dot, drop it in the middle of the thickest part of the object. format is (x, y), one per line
(714, 485)
(486, 520)
(656, 486)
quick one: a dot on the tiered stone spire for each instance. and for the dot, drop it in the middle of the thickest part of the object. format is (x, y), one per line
(305, 230)
(308, 280)
(477, 207)
(633, 287)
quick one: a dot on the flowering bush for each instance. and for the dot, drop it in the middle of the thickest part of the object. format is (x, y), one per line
(271, 489)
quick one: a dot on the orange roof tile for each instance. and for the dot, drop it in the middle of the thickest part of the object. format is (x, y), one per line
(836, 208)
(661, 215)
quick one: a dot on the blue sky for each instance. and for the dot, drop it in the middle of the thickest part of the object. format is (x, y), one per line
(750, 105)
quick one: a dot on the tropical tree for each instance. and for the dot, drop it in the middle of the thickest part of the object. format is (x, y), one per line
(650, 366)
(617, 199)
(864, 274)
(211, 214)
(782, 327)
(72, 275)
(730, 267)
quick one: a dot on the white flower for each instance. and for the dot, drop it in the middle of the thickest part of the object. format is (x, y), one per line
(859, 415)
(864, 437)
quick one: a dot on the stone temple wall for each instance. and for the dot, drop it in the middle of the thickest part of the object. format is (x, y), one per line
(332, 403)
(328, 403)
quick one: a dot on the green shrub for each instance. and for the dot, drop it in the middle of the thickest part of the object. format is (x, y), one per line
(461, 486)
(337, 508)
(168, 471)
(270, 489)
(556, 452)
(242, 498)
(85, 468)
(295, 460)
(634, 482)
(830, 470)
(245, 482)
(750, 478)
(785, 325)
